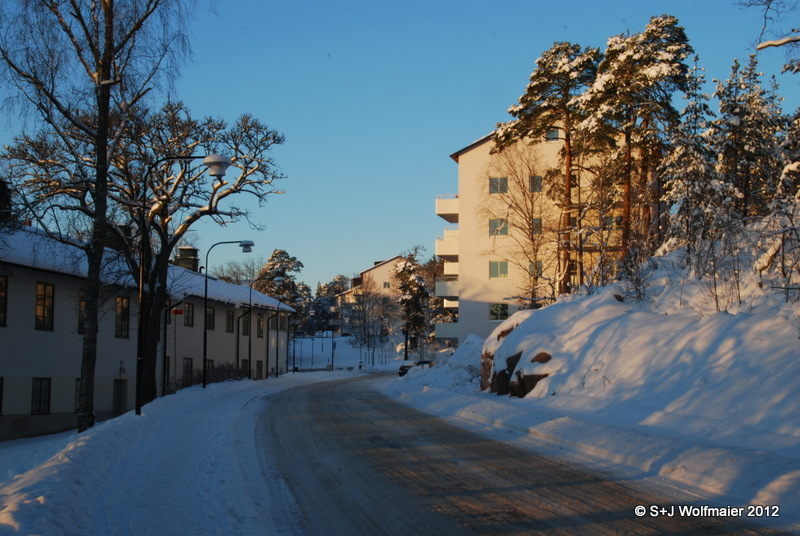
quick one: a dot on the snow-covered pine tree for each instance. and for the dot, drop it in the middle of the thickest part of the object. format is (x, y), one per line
(414, 298)
(700, 201)
(633, 95)
(748, 138)
(562, 74)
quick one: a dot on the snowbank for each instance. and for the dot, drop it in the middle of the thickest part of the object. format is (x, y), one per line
(665, 390)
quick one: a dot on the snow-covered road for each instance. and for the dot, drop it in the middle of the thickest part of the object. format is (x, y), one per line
(357, 462)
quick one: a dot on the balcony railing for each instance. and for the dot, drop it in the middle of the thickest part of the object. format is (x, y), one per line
(447, 287)
(446, 246)
(447, 207)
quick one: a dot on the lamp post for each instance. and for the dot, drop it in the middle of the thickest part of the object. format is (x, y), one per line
(247, 247)
(216, 164)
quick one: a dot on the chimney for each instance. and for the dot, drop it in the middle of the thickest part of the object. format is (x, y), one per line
(187, 258)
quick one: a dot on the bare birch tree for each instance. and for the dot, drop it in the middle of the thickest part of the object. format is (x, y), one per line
(83, 66)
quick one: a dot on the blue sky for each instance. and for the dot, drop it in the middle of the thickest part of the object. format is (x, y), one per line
(373, 96)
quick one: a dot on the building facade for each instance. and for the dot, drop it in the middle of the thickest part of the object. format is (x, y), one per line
(42, 285)
(507, 247)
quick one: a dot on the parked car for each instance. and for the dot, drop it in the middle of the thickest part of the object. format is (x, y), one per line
(405, 368)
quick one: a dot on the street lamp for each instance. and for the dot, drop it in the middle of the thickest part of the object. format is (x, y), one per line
(247, 247)
(216, 164)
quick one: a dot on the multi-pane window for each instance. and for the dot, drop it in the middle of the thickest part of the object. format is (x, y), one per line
(536, 268)
(246, 325)
(40, 396)
(608, 222)
(259, 370)
(498, 269)
(387, 284)
(551, 135)
(209, 318)
(230, 321)
(78, 389)
(498, 311)
(122, 322)
(498, 227)
(498, 185)
(3, 300)
(188, 314)
(535, 183)
(260, 325)
(44, 306)
(81, 310)
(536, 226)
(188, 370)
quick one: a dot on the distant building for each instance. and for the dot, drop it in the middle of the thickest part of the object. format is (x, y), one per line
(41, 289)
(351, 310)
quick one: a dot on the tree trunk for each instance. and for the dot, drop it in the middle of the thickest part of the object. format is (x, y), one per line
(86, 416)
(565, 239)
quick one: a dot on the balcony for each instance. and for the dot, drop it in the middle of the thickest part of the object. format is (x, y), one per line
(447, 330)
(447, 207)
(447, 288)
(447, 246)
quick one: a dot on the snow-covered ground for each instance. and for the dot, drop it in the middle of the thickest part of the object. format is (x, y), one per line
(664, 393)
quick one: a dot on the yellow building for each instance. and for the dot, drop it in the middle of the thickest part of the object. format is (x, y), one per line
(510, 246)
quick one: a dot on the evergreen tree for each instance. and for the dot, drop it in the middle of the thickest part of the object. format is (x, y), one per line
(748, 137)
(414, 298)
(550, 100)
(700, 200)
(633, 95)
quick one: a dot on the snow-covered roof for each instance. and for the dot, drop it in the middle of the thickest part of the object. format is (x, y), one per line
(184, 282)
(33, 248)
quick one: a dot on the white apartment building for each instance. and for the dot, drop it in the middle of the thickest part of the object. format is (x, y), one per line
(501, 247)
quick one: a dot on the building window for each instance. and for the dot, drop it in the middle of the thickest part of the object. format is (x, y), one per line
(3, 300)
(608, 222)
(81, 310)
(123, 318)
(209, 318)
(536, 226)
(535, 183)
(498, 227)
(260, 325)
(259, 370)
(245, 364)
(551, 135)
(78, 388)
(246, 325)
(44, 306)
(536, 268)
(387, 284)
(498, 269)
(498, 311)
(188, 370)
(40, 396)
(498, 185)
(230, 321)
(188, 314)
